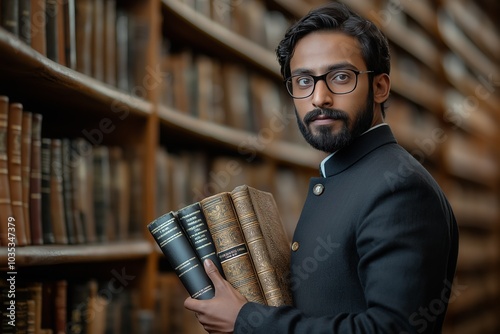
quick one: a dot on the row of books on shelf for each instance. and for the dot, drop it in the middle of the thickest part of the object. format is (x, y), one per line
(73, 307)
(91, 307)
(184, 177)
(62, 190)
(95, 37)
(248, 18)
(226, 93)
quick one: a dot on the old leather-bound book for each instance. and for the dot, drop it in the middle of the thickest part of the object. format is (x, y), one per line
(266, 241)
(231, 247)
(14, 134)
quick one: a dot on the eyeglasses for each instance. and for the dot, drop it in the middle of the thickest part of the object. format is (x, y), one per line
(342, 81)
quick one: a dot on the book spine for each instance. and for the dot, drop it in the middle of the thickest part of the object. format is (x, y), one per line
(81, 152)
(68, 190)
(10, 15)
(231, 247)
(25, 21)
(56, 194)
(15, 175)
(48, 234)
(61, 33)
(195, 226)
(86, 173)
(257, 247)
(60, 306)
(5, 205)
(120, 192)
(110, 42)
(97, 40)
(26, 169)
(70, 33)
(51, 31)
(102, 196)
(38, 37)
(35, 292)
(76, 201)
(83, 33)
(122, 46)
(168, 233)
(35, 207)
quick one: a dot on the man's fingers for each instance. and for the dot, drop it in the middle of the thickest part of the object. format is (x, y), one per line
(214, 274)
(191, 304)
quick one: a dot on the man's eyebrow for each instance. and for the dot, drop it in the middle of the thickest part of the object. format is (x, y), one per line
(338, 66)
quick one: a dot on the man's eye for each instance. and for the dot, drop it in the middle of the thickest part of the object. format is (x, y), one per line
(341, 77)
(304, 81)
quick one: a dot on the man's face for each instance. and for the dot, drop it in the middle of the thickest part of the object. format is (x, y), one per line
(330, 121)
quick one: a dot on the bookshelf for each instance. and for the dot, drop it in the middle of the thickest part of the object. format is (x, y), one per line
(74, 105)
(443, 109)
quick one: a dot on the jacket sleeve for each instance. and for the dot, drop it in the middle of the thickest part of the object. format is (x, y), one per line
(404, 241)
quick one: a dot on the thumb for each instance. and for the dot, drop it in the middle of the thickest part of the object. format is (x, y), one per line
(213, 273)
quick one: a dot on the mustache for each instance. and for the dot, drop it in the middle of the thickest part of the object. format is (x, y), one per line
(330, 113)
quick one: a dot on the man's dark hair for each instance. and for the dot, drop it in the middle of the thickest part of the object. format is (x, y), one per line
(338, 17)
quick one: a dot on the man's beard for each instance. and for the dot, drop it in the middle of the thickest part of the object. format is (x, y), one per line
(325, 140)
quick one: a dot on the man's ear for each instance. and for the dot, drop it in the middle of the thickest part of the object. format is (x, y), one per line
(381, 88)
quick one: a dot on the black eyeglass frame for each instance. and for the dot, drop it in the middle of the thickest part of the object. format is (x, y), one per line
(317, 78)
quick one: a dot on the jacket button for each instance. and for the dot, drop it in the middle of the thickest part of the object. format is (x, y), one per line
(295, 246)
(318, 189)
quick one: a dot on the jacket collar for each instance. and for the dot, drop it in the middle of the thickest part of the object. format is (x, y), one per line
(361, 146)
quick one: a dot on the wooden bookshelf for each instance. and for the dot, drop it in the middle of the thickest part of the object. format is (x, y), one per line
(71, 103)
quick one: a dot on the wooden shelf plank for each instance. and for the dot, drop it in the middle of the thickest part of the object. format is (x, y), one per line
(238, 141)
(62, 254)
(414, 43)
(475, 23)
(480, 91)
(459, 43)
(208, 30)
(44, 79)
(422, 12)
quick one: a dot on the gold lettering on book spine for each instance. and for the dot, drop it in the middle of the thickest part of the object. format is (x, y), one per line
(227, 235)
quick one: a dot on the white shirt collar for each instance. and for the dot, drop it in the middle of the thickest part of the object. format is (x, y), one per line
(322, 165)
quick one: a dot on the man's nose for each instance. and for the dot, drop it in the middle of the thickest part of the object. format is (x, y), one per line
(322, 96)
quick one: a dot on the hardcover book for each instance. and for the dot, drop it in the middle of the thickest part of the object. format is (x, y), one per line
(26, 169)
(267, 242)
(57, 218)
(47, 231)
(14, 143)
(35, 206)
(175, 245)
(231, 246)
(195, 226)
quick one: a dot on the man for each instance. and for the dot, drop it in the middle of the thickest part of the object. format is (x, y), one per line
(375, 248)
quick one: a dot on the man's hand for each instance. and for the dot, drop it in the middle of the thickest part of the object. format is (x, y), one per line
(217, 315)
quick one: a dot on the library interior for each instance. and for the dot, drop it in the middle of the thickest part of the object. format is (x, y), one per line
(116, 112)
